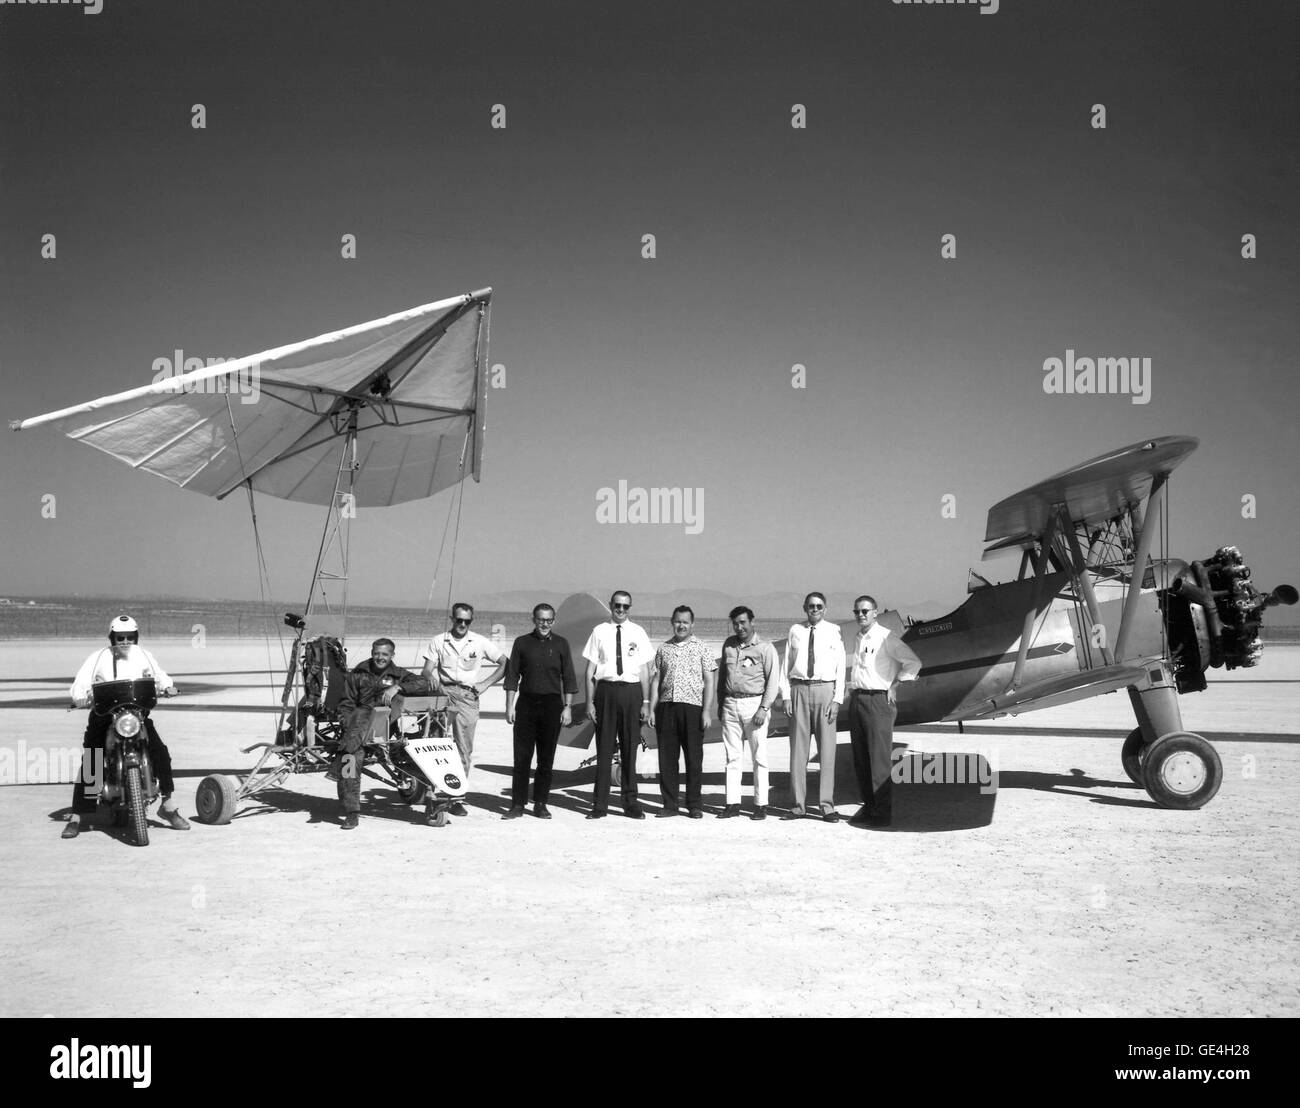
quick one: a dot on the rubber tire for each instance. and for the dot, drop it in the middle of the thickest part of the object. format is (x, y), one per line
(215, 800)
(1157, 783)
(411, 790)
(440, 818)
(135, 805)
(1133, 754)
(616, 775)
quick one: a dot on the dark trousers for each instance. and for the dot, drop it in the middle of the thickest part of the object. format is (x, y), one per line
(871, 730)
(94, 738)
(681, 730)
(537, 728)
(618, 719)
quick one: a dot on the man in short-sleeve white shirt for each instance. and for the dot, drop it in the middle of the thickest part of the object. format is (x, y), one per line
(456, 666)
(619, 656)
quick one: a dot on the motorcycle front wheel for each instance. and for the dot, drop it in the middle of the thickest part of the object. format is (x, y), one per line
(135, 805)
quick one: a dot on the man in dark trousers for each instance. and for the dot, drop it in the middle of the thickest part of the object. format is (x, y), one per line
(880, 660)
(681, 696)
(373, 682)
(540, 685)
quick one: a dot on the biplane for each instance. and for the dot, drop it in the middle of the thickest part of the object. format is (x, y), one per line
(1097, 607)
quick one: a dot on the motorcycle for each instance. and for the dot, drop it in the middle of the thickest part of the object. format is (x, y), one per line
(128, 785)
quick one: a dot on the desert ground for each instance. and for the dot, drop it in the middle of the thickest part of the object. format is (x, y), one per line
(1065, 891)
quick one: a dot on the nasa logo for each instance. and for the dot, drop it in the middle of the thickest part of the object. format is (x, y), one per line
(451, 781)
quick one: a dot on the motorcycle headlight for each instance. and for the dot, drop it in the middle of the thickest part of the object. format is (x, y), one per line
(127, 725)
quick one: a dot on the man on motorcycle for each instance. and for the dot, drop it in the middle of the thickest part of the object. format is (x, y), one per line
(374, 682)
(125, 659)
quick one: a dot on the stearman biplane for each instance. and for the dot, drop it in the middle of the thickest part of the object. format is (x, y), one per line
(1097, 607)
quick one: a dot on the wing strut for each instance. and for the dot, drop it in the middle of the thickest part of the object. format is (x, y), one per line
(1031, 616)
(1146, 531)
(1080, 570)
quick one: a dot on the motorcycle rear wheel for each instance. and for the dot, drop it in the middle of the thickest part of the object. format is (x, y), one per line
(135, 805)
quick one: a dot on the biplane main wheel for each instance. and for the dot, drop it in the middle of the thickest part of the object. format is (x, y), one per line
(1182, 770)
(215, 800)
(411, 790)
(616, 775)
(1133, 755)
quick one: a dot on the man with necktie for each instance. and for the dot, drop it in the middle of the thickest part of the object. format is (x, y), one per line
(812, 687)
(618, 654)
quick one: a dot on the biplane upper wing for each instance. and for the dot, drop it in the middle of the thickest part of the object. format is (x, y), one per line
(1054, 692)
(1090, 493)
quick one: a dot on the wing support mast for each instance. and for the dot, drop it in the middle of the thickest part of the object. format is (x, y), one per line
(1027, 632)
(1145, 528)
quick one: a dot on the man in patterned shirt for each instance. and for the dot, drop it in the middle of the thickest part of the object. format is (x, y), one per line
(681, 695)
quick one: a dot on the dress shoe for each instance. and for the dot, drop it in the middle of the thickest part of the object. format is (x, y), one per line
(350, 821)
(514, 813)
(760, 812)
(665, 813)
(541, 811)
(458, 809)
(696, 813)
(173, 819)
(634, 813)
(596, 815)
(72, 828)
(794, 813)
(729, 812)
(831, 816)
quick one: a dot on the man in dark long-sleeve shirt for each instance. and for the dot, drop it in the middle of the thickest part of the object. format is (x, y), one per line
(540, 684)
(373, 682)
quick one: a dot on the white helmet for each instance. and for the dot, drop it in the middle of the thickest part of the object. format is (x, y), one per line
(124, 625)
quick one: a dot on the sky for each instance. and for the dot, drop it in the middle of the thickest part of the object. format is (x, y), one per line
(775, 246)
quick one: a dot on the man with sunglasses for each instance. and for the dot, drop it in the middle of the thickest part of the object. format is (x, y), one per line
(619, 655)
(454, 666)
(124, 660)
(540, 686)
(812, 686)
(880, 661)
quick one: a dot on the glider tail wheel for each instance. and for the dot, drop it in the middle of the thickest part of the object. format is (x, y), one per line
(1181, 770)
(216, 798)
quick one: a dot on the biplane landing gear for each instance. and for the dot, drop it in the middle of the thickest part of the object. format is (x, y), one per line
(1181, 770)
(216, 798)
(1132, 755)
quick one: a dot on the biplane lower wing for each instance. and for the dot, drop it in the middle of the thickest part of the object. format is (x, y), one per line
(1056, 691)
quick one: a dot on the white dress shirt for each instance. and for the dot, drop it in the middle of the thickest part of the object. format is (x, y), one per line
(637, 651)
(103, 666)
(880, 658)
(460, 661)
(828, 658)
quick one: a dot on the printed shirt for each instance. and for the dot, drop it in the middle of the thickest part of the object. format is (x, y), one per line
(460, 661)
(102, 666)
(750, 670)
(881, 658)
(681, 667)
(828, 658)
(637, 651)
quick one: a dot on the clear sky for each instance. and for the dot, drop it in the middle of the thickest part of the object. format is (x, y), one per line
(775, 245)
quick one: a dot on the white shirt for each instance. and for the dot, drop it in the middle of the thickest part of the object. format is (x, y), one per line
(637, 651)
(102, 666)
(460, 661)
(828, 660)
(881, 658)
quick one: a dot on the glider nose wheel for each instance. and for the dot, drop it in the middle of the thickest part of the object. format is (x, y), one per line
(1181, 770)
(216, 798)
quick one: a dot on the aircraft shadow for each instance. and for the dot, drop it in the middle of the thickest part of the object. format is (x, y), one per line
(1075, 783)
